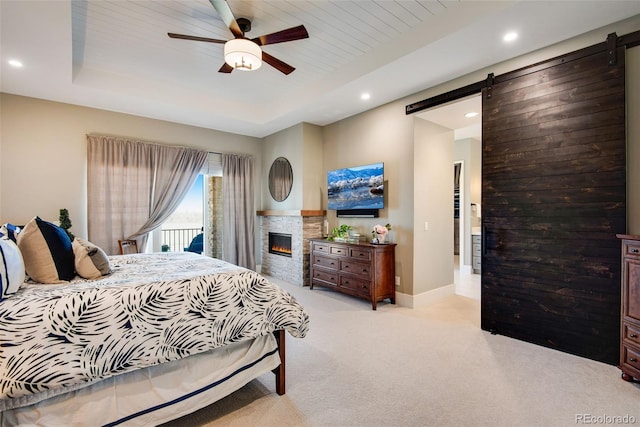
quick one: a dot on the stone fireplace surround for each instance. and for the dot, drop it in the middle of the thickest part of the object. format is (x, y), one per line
(302, 225)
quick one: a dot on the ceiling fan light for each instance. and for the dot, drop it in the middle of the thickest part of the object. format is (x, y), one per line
(243, 54)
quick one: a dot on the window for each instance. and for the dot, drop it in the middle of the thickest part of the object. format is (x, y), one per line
(187, 221)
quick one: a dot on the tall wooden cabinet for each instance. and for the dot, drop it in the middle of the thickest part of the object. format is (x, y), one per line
(630, 308)
(363, 270)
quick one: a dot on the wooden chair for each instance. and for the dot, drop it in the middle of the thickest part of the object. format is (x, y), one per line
(128, 247)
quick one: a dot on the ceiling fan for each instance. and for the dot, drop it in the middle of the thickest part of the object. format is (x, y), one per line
(243, 53)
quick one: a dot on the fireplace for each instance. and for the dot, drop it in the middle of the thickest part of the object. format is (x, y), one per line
(298, 226)
(280, 244)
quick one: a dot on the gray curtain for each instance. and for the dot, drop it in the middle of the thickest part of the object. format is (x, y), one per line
(238, 245)
(133, 187)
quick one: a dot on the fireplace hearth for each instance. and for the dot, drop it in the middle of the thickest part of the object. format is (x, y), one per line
(280, 244)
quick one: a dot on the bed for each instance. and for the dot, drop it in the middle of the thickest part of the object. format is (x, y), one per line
(161, 336)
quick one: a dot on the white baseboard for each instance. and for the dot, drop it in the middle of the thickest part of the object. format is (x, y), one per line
(426, 298)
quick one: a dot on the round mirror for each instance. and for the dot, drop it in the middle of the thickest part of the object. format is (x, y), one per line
(280, 179)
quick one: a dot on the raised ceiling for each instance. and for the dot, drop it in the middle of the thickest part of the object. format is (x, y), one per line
(116, 55)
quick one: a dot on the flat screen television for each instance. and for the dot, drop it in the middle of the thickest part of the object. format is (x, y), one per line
(356, 188)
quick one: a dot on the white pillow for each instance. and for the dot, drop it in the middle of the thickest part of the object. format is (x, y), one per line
(12, 273)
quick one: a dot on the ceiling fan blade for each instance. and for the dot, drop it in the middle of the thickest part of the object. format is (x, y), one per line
(290, 34)
(226, 68)
(196, 38)
(276, 63)
(223, 9)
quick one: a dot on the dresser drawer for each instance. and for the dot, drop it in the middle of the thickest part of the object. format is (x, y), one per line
(326, 276)
(357, 285)
(631, 249)
(324, 261)
(631, 333)
(631, 357)
(320, 247)
(354, 267)
(339, 250)
(363, 254)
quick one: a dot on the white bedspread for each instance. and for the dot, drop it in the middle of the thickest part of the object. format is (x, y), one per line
(153, 309)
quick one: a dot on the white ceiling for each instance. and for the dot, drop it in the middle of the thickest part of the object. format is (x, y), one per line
(453, 116)
(116, 55)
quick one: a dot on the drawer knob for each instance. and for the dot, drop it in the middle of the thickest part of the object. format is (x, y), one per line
(634, 335)
(635, 250)
(633, 359)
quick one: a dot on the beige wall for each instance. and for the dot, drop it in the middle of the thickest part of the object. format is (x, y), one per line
(313, 173)
(286, 143)
(386, 133)
(433, 206)
(302, 146)
(43, 146)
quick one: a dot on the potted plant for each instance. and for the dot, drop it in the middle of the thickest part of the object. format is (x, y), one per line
(65, 222)
(341, 233)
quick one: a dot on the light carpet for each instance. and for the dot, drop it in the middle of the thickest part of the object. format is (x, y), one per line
(430, 366)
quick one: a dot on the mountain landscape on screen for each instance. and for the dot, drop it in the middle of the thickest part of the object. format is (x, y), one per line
(360, 187)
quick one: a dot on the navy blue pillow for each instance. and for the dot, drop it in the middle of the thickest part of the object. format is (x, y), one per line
(47, 252)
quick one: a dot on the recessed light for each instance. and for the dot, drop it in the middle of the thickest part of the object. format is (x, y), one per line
(15, 63)
(471, 114)
(365, 96)
(510, 36)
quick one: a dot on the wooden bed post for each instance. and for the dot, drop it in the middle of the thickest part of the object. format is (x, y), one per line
(280, 370)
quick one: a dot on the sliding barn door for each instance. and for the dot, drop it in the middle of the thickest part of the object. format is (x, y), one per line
(553, 199)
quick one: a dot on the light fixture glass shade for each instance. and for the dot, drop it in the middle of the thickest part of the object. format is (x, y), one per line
(243, 54)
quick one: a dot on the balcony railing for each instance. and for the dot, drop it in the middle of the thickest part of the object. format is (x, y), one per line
(179, 238)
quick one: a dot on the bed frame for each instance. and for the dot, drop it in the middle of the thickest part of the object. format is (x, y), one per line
(280, 371)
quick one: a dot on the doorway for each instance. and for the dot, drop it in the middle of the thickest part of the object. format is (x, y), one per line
(466, 148)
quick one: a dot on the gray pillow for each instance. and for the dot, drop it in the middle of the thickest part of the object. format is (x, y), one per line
(91, 261)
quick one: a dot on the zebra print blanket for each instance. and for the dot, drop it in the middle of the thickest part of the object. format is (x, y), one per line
(154, 308)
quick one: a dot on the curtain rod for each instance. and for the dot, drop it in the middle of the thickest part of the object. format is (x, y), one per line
(147, 141)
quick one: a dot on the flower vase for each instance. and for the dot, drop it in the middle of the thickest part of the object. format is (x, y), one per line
(380, 238)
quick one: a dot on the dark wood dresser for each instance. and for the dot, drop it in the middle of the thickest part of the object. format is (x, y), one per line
(363, 270)
(630, 312)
